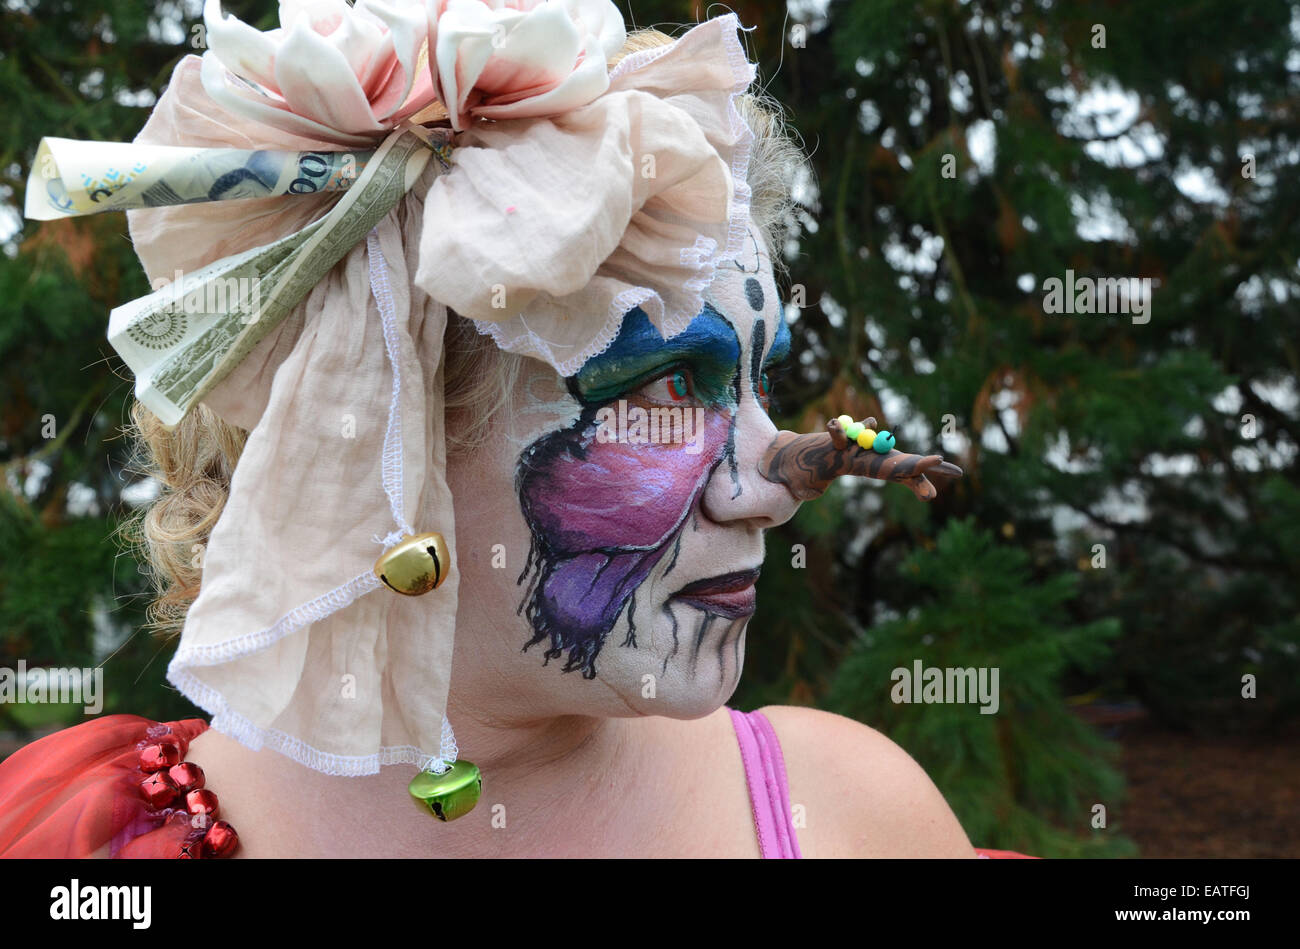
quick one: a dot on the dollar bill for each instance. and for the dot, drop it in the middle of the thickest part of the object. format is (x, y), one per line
(183, 339)
(71, 178)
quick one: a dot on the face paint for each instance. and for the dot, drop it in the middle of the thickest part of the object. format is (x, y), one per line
(777, 355)
(609, 516)
(707, 347)
(603, 513)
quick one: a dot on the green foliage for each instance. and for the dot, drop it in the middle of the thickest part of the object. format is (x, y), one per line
(925, 297)
(924, 301)
(76, 70)
(1025, 776)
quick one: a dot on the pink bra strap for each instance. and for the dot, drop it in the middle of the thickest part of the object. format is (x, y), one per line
(769, 791)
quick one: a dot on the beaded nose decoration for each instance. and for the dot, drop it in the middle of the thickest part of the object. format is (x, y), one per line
(807, 464)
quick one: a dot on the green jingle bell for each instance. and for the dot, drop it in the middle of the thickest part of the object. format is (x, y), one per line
(451, 794)
(415, 565)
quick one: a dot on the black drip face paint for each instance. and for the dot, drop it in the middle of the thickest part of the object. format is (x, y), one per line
(756, 359)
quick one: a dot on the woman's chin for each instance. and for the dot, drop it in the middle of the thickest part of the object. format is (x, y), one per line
(698, 705)
(693, 683)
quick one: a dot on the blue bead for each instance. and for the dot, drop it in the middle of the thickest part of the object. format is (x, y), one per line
(884, 443)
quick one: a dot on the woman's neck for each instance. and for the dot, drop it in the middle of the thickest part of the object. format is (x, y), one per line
(541, 779)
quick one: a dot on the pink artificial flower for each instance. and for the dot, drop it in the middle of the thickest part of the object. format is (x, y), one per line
(333, 71)
(510, 59)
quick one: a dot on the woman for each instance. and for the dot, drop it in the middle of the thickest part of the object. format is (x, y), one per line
(599, 508)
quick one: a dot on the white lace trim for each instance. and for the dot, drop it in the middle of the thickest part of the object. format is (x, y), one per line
(703, 256)
(229, 722)
(392, 463)
(745, 71)
(214, 654)
(224, 718)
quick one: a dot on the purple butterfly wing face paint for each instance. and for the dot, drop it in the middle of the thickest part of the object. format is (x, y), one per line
(604, 505)
(590, 495)
(614, 498)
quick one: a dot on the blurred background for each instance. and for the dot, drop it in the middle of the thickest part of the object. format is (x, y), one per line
(1125, 546)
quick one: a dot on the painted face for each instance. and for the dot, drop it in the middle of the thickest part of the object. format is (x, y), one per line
(637, 485)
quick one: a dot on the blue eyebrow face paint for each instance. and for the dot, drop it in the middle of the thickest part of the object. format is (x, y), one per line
(708, 347)
(780, 350)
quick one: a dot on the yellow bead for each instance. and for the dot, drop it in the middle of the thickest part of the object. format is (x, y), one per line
(865, 438)
(415, 565)
(844, 421)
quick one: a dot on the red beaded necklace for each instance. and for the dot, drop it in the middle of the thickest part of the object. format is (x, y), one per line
(173, 789)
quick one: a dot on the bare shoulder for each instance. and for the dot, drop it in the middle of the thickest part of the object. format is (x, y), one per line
(861, 795)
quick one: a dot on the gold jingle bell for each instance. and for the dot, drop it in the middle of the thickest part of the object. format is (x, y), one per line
(415, 565)
(451, 794)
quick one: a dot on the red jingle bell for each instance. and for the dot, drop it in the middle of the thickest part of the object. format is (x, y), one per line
(158, 789)
(161, 732)
(160, 755)
(187, 775)
(201, 801)
(220, 841)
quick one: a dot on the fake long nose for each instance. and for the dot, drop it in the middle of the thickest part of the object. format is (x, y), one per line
(807, 464)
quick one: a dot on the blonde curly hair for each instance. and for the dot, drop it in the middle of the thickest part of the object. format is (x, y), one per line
(193, 463)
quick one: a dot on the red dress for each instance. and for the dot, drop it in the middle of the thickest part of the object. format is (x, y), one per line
(118, 787)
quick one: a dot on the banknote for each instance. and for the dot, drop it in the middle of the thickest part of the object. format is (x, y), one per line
(71, 178)
(183, 339)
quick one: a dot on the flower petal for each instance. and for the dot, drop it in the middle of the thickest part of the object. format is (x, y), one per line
(601, 19)
(242, 99)
(317, 82)
(539, 52)
(462, 44)
(324, 16)
(248, 53)
(408, 27)
(365, 45)
(584, 85)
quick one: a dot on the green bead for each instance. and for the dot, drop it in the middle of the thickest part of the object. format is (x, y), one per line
(852, 431)
(884, 443)
(451, 794)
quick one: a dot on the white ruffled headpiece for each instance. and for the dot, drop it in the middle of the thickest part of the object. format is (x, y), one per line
(574, 194)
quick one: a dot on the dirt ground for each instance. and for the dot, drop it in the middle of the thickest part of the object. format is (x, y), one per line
(1210, 797)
